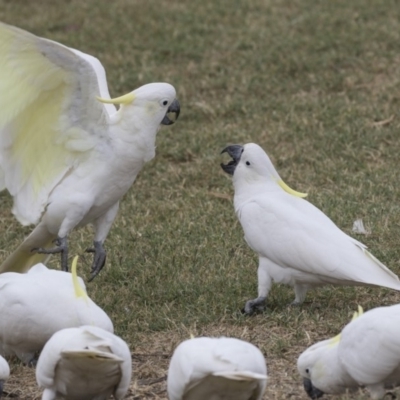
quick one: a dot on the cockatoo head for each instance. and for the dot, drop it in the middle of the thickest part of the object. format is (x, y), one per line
(321, 370)
(250, 163)
(156, 100)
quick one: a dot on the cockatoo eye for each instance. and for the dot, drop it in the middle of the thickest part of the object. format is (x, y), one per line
(247, 162)
(164, 103)
(307, 371)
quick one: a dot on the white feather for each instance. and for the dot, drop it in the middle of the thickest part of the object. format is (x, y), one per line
(297, 243)
(84, 363)
(66, 158)
(367, 353)
(39, 303)
(216, 368)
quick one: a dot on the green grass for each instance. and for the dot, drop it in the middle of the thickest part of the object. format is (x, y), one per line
(307, 80)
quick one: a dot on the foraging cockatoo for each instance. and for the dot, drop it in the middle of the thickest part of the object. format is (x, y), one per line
(86, 363)
(297, 244)
(39, 303)
(67, 156)
(366, 353)
(4, 373)
(216, 368)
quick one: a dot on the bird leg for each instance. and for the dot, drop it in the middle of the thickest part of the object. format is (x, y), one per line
(254, 305)
(300, 292)
(99, 258)
(61, 247)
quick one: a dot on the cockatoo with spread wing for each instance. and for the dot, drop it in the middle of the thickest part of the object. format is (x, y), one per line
(366, 353)
(39, 303)
(216, 368)
(67, 154)
(297, 244)
(4, 373)
(86, 363)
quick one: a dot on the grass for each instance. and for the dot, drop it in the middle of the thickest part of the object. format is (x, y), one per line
(311, 82)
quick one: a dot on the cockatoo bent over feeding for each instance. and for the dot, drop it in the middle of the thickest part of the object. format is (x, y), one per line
(217, 369)
(297, 243)
(365, 354)
(39, 303)
(85, 363)
(67, 155)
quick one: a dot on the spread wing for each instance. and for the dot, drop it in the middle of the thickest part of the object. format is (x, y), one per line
(50, 119)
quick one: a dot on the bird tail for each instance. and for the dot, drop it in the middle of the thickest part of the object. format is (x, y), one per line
(241, 375)
(22, 259)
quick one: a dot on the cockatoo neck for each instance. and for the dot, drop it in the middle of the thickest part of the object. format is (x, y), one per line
(131, 120)
(246, 187)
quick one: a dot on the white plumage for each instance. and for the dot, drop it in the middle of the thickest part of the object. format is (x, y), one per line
(366, 353)
(85, 363)
(216, 369)
(39, 303)
(4, 373)
(297, 243)
(68, 156)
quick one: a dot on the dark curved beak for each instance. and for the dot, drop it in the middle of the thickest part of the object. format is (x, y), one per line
(311, 390)
(235, 151)
(175, 108)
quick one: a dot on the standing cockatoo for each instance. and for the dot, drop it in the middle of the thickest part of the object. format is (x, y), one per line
(366, 353)
(216, 368)
(297, 243)
(85, 363)
(35, 305)
(67, 155)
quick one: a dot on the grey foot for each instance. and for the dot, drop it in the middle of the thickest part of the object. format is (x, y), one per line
(254, 305)
(99, 260)
(32, 362)
(61, 247)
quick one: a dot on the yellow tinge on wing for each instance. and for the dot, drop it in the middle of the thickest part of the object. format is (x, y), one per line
(289, 190)
(32, 103)
(79, 292)
(125, 99)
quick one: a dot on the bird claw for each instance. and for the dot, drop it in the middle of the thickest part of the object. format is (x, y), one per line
(99, 260)
(61, 247)
(254, 305)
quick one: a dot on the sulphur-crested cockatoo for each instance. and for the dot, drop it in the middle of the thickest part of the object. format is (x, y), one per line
(366, 353)
(4, 373)
(297, 244)
(216, 368)
(39, 303)
(67, 154)
(86, 363)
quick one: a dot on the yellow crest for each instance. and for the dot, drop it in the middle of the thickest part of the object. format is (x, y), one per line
(289, 190)
(335, 340)
(125, 99)
(79, 292)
